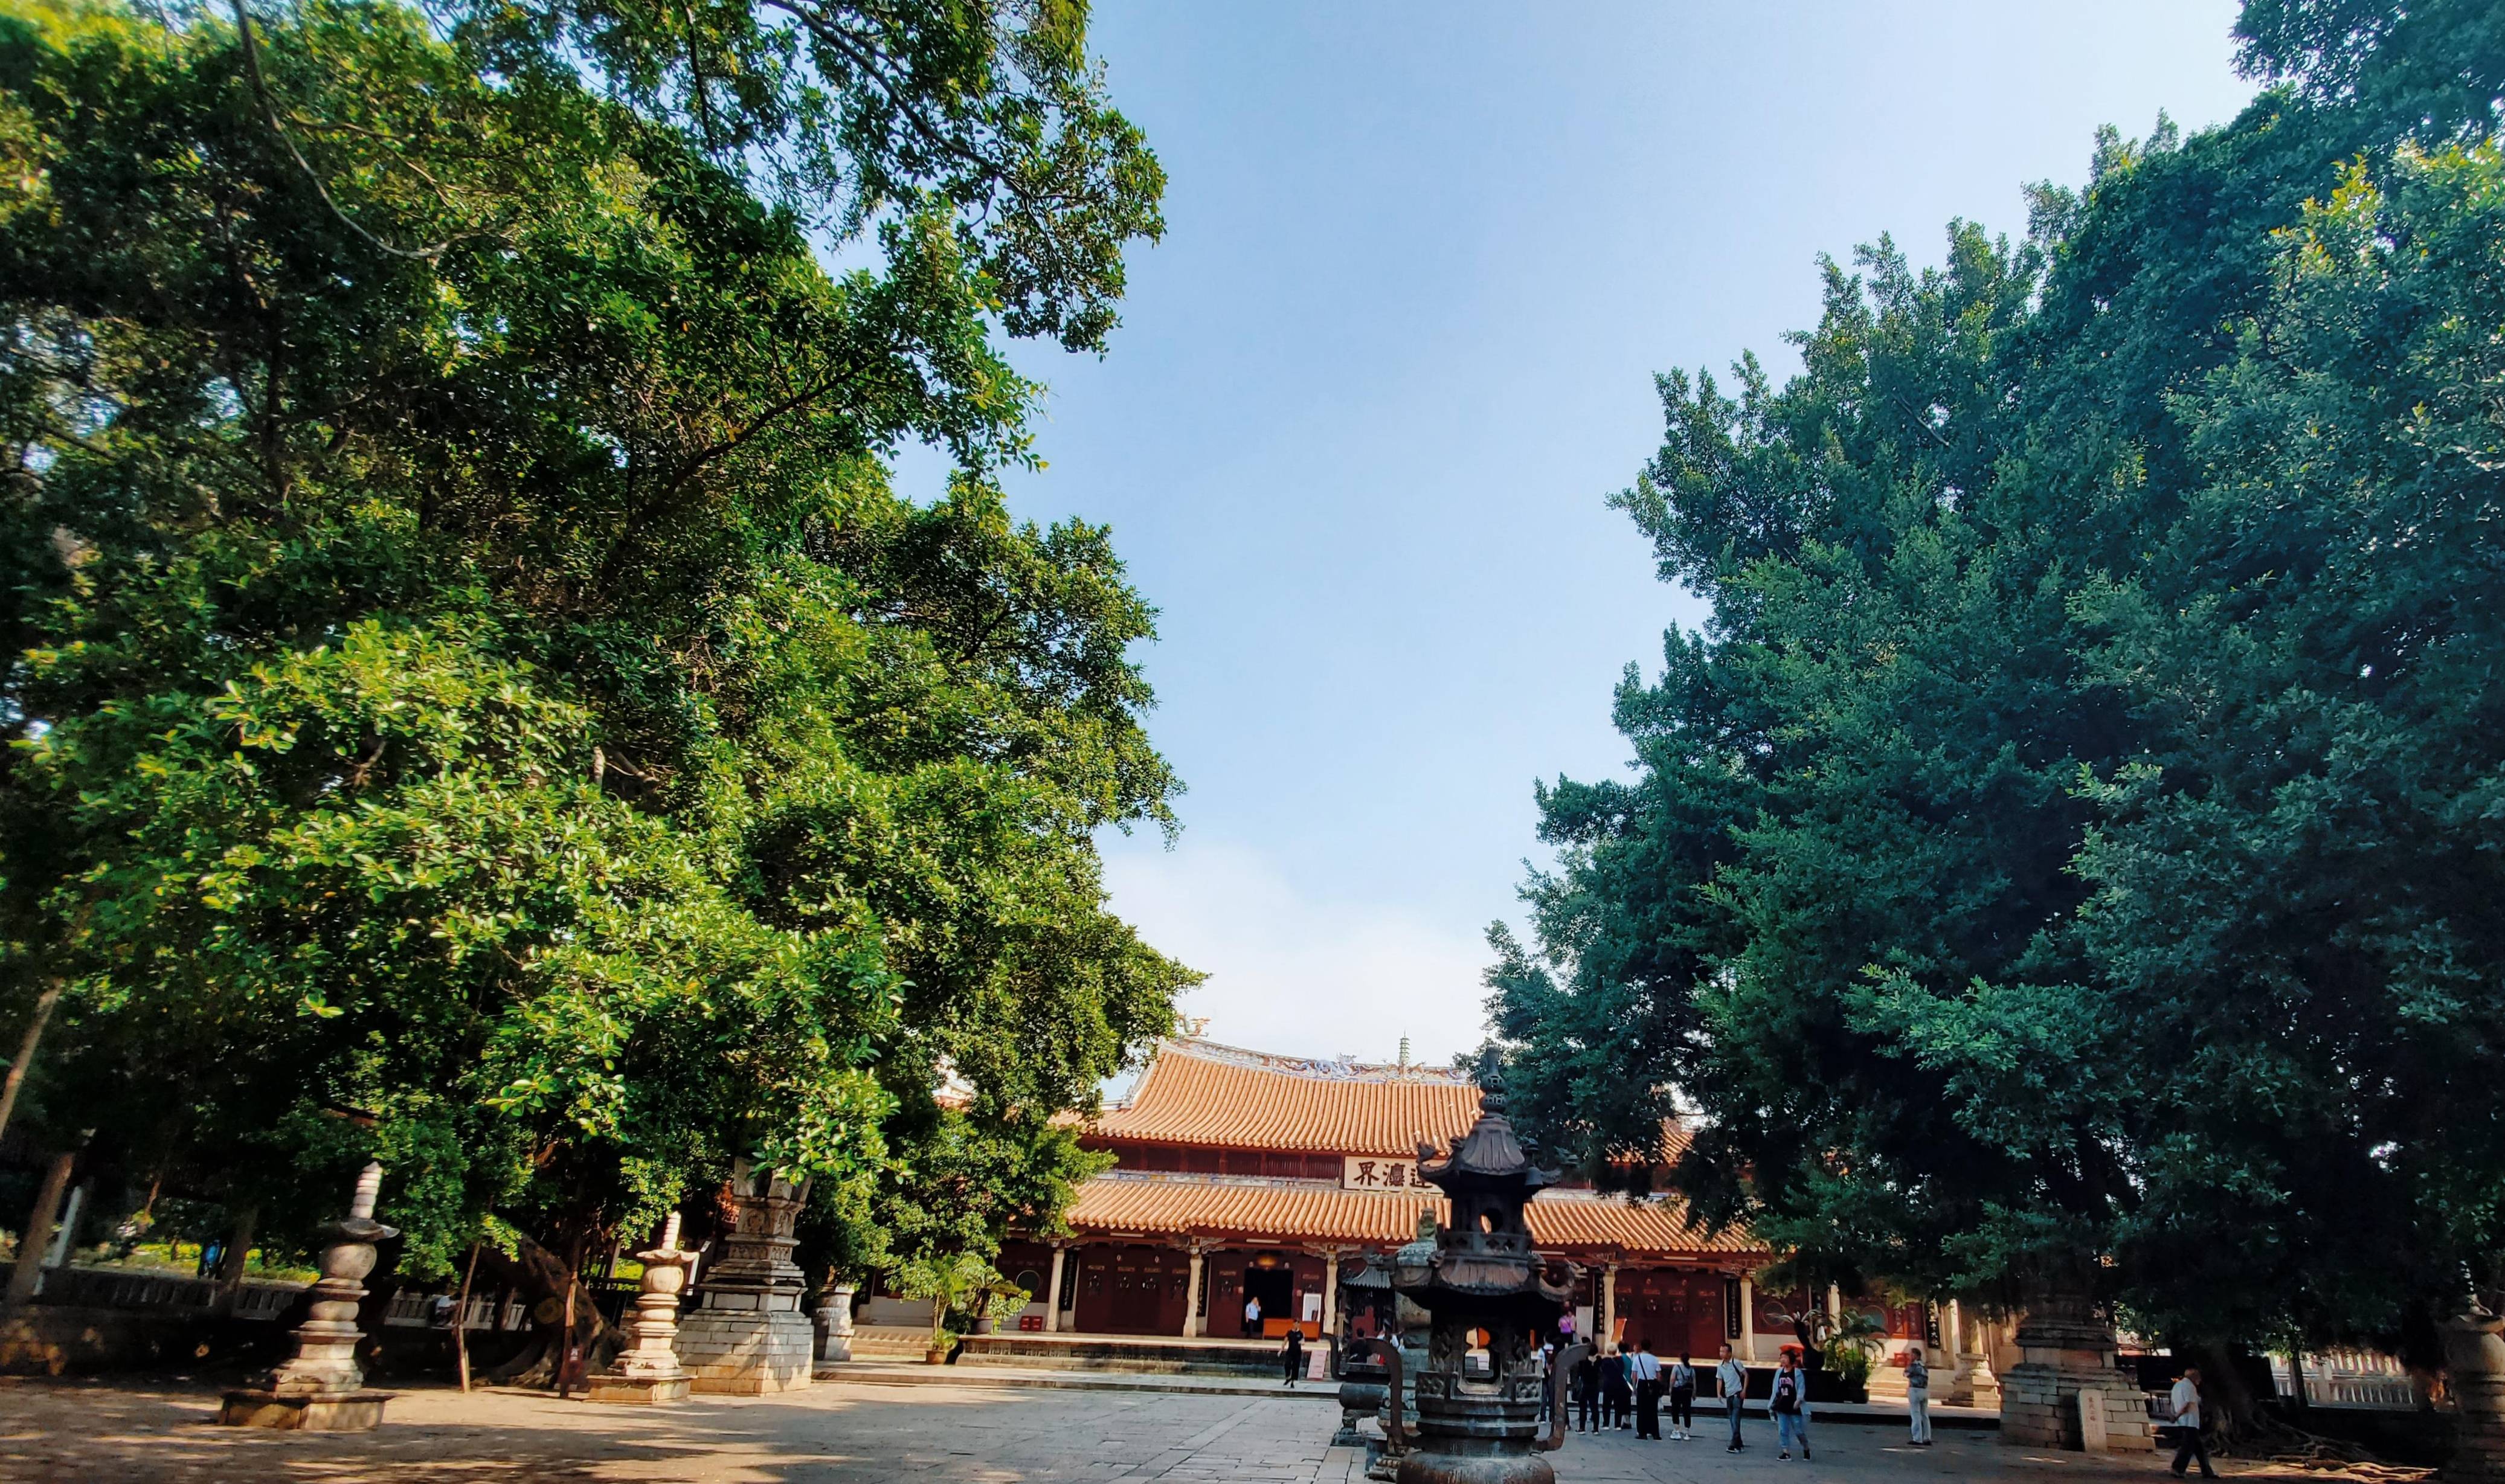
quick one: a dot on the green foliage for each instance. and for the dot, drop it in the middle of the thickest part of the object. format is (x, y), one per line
(977, 120)
(1852, 1345)
(2423, 66)
(959, 1285)
(482, 707)
(2064, 860)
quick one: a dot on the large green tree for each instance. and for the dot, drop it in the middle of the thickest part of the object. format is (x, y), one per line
(2062, 860)
(473, 696)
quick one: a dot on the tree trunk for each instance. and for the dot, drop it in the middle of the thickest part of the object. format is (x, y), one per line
(461, 1321)
(540, 1274)
(2230, 1413)
(44, 1004)
(38, 1228)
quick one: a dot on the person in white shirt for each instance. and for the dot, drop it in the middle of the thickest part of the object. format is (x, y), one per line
(1733, 1378)
(2184, 1408)
(1644, 1368)
(1253, 1316)
(1917, 1396)
(1682, 1398)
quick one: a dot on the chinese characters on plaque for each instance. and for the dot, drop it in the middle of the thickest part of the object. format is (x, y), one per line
(1368, 1172)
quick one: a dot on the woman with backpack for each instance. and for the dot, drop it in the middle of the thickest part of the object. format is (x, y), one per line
(1788, 1402)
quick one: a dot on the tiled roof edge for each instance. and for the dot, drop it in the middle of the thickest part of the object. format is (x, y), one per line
(1340, 1069)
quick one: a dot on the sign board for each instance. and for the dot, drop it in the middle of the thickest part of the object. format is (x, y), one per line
(1370, 1172)
(2094, 1437)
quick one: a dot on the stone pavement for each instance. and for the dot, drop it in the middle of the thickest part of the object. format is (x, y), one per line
(55, 1431)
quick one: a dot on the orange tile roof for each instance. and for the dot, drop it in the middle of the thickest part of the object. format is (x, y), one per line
(1215, 1097)
(1314, 1213)
(1175, 1208)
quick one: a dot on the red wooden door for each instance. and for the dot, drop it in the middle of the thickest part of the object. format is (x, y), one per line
(1133, 1291)
(1678, 1312)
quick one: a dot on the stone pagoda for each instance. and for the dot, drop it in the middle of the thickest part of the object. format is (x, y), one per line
(647, 1371)
(748, 1336)
(323, 1388)
(1491, 1299)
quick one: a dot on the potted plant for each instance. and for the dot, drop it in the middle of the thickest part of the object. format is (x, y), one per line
(958, 1285)
(1851, 1345)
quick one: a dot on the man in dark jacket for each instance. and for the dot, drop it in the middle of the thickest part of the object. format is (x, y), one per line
(1586, 1381)
(1617, 1392)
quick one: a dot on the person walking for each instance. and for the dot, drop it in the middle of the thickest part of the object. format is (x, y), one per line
(1293, 1356)
(1617, 1382)
(1586, 1381)
(1252, 1316)
(1917, 1396)
(1647, 1373)
(1733, 1378)
(2184, 1404)
(1788, 1402)
(1682, 1398)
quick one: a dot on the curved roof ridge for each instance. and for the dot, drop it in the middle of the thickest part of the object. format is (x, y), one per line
(1200, 1093)
(1332, 1069)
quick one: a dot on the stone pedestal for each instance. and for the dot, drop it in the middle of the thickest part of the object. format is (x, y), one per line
(2474, 1359)
(2068, 1350)
(835, 1324)
(322, 1387)
(1971, 1384)
(748, 1336)
(646, 1372)
(1363, 1385)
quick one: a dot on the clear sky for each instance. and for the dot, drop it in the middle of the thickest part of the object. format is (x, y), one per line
(1397, 348)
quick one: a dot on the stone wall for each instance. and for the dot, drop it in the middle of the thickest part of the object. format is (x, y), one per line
(2039, 1406)
(745, 1352)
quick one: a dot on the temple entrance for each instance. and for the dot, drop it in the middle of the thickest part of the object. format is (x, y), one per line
(1678, 1312)
(1272, 1281)
(1132, 1290)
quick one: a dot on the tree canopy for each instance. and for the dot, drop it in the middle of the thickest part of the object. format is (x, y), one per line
(473, 696)
(2063, 858)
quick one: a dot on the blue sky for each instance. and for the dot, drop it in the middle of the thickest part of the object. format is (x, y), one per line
(1397, 348)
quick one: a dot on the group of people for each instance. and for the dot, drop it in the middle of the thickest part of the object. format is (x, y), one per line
(1623, 1386)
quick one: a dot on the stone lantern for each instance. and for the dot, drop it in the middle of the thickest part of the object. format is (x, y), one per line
(321, 1389)
(1489, 1300)
(1364, 1381)
(648, 1370)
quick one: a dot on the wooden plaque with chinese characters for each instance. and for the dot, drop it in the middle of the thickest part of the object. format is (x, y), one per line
(1368, 1172)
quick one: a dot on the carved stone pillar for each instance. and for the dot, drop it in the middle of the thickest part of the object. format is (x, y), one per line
(1607, 1338)
(1191, 1293)
(1747, 1347)
(1971, 1383)
(322, 1387)
(834, 1328)
(648, 1370)
(2474, 1359)
(748, 1336)
(1330, 1256)
(2068, 1347)
(1052, 1291)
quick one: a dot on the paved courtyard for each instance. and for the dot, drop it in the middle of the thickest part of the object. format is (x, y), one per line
(854, 1433)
